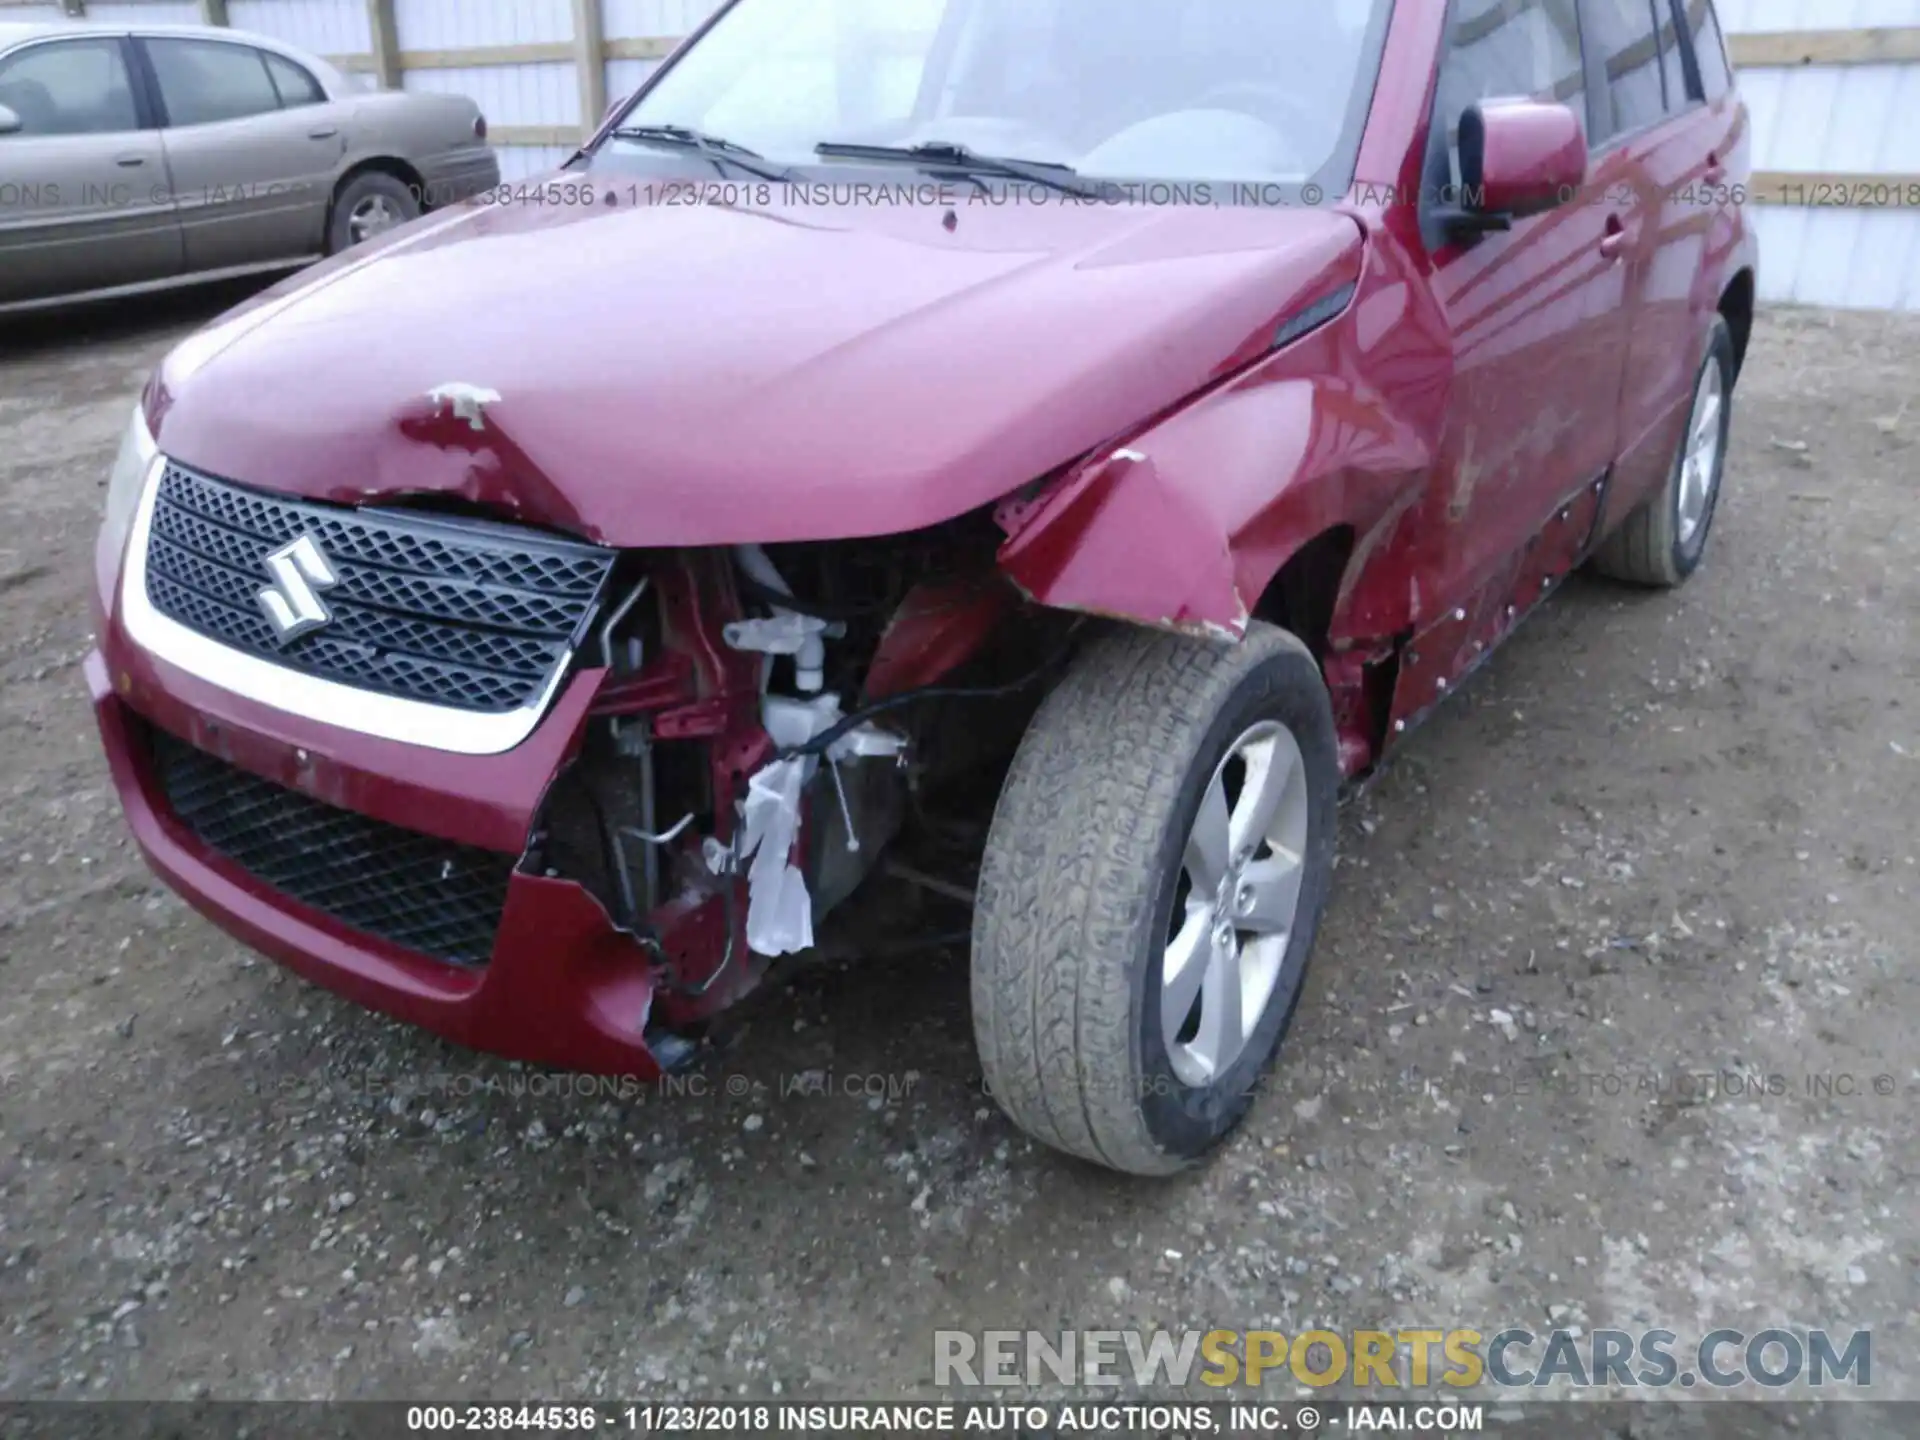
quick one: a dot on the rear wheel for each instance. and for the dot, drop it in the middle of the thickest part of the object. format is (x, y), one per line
(1154, 878)
(1663, 542)
(369, 205)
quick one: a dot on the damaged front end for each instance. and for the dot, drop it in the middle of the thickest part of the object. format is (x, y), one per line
(757, 740)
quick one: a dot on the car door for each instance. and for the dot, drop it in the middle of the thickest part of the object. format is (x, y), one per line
(1676, 143)
(84, 202)
(1538, 315)
(253, 171)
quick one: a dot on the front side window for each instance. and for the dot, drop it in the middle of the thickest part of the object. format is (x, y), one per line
(75, 87)
(1261, 90)
(203, 81)
(1621, 33)
(1506, 50)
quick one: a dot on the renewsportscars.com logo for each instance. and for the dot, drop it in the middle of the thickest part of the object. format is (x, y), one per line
(1509, 1359)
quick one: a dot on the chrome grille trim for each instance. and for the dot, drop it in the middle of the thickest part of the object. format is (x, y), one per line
(330, 702)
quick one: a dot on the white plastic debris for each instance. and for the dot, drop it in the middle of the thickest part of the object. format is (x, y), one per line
(868, 742)
(781, 634)
(788, 633)
(802, 636)
(779, 909)
(469, 402)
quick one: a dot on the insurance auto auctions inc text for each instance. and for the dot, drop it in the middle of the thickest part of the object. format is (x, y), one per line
(1509, 1359)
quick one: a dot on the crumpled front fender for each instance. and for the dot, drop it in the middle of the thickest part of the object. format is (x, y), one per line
(1184, 525)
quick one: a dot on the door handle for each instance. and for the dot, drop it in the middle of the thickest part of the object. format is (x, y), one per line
(1615, 242)
(130, 162)
(325, 132)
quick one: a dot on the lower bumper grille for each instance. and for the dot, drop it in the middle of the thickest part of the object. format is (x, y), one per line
(428, 895)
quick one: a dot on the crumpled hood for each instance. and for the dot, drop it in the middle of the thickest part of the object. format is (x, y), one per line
(699, 374)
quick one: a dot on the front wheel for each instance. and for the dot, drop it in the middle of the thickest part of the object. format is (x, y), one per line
(1154, 878)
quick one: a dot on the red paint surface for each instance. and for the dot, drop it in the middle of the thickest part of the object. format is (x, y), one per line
(1474, 419)
(563, 988)
(699, 375)
(1532, 156)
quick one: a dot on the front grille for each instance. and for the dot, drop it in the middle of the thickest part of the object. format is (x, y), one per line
(467, 614)
(426, 894)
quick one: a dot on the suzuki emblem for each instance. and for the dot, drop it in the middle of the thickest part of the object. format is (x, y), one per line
(300, 572)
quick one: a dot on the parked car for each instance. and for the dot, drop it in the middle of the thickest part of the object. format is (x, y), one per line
(139, 157)
(1082, 437)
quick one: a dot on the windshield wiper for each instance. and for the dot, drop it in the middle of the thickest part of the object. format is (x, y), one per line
(945, 155)
(721, 151)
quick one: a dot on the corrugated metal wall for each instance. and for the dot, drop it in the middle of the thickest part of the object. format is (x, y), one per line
(326, 27)
(517, 96)
(1855, 119)
(638, 19)
(1814, 123)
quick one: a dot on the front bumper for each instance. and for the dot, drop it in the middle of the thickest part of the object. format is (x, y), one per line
(563, 987)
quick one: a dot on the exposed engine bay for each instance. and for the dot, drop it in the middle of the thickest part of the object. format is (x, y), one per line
(760, 740)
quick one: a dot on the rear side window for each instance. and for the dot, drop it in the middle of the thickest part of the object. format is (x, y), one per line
(295, 85)
(76, 87)
(1625, 48)
(1710, 47)
(203, 82)
(1508, 49)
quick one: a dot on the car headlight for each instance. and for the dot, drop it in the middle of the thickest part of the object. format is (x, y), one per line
(128, 481)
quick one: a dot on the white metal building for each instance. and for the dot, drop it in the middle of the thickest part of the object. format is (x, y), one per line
(1834, 87)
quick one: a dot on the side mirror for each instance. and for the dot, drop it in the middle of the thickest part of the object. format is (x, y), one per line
(10, 121)
(1517, 158)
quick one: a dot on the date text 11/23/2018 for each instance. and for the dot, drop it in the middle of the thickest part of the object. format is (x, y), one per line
(1110, 1419)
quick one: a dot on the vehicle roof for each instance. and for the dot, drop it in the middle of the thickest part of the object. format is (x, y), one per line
(12, 32)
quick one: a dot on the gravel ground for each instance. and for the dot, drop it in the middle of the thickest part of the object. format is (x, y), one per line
(1661, 836)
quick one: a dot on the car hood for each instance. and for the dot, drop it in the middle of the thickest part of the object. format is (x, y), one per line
(655, 374)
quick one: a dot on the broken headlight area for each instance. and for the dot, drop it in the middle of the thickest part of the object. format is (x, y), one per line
(772, 722)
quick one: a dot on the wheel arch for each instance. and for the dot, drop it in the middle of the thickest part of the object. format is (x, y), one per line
(1237, 504)
(1256, 503)
(1737, 306)
(1304, 594)
(400, 169)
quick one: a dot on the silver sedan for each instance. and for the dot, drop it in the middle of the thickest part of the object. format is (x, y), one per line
(138, 157)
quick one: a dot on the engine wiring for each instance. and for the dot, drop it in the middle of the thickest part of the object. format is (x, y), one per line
(823, 742)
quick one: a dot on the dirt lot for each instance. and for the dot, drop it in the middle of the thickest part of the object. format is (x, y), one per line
(1662, 837)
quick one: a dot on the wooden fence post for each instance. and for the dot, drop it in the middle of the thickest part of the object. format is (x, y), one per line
(386, 44)
(590, 61)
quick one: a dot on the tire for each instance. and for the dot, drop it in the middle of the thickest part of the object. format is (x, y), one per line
(1086, 871)
(370, 195)
(1661, 544)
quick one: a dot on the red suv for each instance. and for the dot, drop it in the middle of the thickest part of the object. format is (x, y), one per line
(1065, 441)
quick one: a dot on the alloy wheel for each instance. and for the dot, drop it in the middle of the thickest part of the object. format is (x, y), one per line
(373, 216)
(1237, 905)
(1700, 462)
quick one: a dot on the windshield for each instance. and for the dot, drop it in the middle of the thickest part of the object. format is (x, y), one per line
(1184, 90)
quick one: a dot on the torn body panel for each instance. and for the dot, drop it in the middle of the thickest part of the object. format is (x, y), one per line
(1187, 524)
(725, 797)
